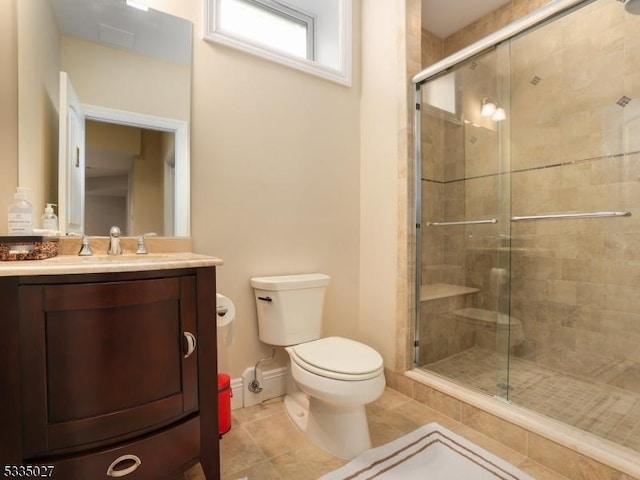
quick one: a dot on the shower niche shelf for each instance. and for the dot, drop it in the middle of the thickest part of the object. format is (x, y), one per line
(435, 291)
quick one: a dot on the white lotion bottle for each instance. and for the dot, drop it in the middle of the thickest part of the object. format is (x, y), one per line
(20, 214)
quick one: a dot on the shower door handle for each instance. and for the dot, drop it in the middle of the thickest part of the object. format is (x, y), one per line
(569, 216)
(463, 222)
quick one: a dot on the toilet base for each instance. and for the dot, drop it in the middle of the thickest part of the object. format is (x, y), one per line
(341, 432)
(297, 407)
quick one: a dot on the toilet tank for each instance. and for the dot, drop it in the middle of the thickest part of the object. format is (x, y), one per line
(289, 307)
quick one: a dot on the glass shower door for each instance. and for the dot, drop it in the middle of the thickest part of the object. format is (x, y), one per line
(575, 147)
(462, 328)
(529, 235)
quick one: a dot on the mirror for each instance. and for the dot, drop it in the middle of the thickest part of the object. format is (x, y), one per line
(131, 71)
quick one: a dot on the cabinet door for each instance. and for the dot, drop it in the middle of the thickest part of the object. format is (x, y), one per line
(103, 362)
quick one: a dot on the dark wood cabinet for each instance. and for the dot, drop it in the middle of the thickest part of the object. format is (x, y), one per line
(110, 371)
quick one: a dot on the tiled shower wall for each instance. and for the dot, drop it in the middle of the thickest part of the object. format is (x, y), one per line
(434, 168)
(574, 127)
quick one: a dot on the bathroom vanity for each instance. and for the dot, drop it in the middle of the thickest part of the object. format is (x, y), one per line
(108, 367)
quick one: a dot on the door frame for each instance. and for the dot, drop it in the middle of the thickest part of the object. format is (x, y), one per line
(180, 129)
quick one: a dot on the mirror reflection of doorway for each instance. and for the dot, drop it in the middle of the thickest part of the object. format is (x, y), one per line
(128, 170)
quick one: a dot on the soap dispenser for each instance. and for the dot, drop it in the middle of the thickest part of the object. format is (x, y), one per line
(50, 219)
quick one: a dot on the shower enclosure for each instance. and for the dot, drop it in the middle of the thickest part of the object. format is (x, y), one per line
(528, 213)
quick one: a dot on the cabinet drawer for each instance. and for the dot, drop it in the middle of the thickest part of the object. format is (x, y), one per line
(162, 456)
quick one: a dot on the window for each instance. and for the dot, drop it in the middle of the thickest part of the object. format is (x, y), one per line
(310, 35)
(269, 24)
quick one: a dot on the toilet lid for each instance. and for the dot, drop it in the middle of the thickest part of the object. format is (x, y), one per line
(340, 356)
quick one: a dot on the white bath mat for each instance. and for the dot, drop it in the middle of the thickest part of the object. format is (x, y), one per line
(430, 452)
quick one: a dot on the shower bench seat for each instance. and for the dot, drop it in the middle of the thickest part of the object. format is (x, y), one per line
(435, 291)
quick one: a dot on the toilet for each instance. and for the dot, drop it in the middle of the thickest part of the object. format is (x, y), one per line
(333, 378)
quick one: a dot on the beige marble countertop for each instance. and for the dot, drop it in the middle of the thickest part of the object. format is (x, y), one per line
(163, 254)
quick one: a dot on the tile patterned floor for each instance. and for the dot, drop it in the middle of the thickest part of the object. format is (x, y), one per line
(589, 403)
(264, 444)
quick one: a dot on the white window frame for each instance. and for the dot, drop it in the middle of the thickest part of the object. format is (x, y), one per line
(341, 74)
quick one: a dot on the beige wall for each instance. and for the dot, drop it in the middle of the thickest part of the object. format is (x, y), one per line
(145, 150)
(115, 78)
(275, 183)
(38, 103)
(104, 211)
(284, 180)
(148, 185)
(380, 119)
(9, 110)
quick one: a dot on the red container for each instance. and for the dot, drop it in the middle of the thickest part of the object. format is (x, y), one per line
(224, 403)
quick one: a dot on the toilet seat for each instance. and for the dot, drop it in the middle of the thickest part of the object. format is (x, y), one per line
(338, 358)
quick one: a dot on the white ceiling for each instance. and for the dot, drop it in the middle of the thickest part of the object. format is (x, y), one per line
(444, 17)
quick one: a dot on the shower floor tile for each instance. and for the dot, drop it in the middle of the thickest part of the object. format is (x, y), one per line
(602, 409)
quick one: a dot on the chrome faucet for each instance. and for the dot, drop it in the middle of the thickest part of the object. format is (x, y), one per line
(114, 241)
(142, 246)
(85, 249)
